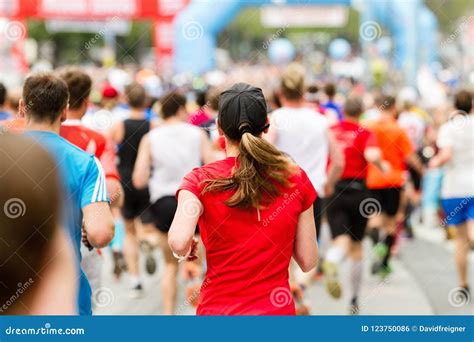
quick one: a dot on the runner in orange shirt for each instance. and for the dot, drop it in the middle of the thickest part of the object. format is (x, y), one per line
(397, 151)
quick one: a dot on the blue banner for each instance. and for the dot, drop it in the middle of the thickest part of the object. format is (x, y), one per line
(245, 329)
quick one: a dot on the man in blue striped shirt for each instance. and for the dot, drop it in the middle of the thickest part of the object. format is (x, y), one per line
(86, 204)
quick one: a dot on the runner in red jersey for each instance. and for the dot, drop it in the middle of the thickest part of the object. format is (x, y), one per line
(345, 208)
(79, 85)
(255, 211)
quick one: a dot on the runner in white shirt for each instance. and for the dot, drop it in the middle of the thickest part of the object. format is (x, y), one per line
(305, 136)
(456, 143)
(166, 154)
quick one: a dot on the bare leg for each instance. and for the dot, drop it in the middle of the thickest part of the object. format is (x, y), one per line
(470, 231)
(390, 227)
(130, 248)
(148, 232)
(170, 274)
(461, 252)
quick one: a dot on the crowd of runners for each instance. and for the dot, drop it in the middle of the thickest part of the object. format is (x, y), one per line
(230, 182)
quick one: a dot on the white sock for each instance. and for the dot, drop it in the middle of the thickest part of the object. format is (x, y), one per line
(335, 254)
(134, 281)
(356, 277)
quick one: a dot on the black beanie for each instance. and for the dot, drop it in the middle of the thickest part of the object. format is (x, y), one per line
(242, 109)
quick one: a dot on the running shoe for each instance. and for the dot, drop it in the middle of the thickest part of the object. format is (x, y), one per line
(379, 252)
(331, 280)
(150, 262)
(354, 307)
(384, 271)
(136, 291)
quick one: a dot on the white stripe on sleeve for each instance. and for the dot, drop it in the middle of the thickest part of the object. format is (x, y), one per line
(101, 194)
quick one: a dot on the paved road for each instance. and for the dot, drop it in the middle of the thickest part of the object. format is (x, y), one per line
(419, 285)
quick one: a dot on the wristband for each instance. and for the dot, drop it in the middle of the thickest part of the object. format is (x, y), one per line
(182, 258)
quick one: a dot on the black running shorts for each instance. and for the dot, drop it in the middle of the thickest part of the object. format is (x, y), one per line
(136, 204)
(343, 211)
(389, 199)
(163, 211)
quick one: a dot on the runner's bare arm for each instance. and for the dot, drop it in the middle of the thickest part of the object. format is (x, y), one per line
(141, 171)
(337, 159)
(115, 191)
(98, 224)
(116, 132)
(180, 236)
(373, 155)
(305, 249)
(444, 155)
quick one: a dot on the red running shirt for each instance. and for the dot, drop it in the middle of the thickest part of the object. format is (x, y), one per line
(247, 259)
(94, 143)
(354, 139)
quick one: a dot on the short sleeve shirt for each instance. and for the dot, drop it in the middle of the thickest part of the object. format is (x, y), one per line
(395, 146)
(354, 140)
(247, 259)
(458, 134)
(83, 182)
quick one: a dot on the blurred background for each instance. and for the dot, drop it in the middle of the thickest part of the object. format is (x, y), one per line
(362, 46)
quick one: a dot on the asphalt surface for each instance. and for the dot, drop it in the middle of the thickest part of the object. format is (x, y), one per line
(421, 283)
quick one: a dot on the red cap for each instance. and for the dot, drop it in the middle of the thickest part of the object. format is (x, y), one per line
(109, 92)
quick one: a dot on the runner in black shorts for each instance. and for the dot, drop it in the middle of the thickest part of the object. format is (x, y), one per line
(127, 135)
(399, 152)
(346, 220)
(166, 154)
(389, 199)
(343, 213)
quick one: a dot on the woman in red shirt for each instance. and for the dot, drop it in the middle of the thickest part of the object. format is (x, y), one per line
(254, 210)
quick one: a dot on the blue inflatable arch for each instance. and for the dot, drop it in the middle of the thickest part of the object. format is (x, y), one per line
(412, 25)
